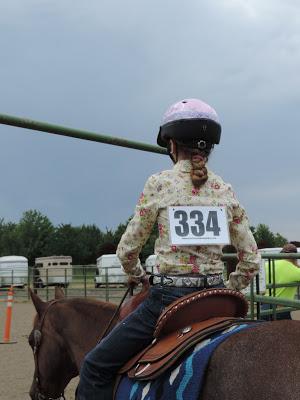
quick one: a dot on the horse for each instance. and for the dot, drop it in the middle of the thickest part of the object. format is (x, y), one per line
(261, 362)
(58, 349)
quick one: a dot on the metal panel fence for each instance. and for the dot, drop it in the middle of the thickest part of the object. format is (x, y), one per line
(279, 304)
(81, 281)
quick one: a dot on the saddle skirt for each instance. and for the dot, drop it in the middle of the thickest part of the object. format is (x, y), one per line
(185, 379)
(183, 324)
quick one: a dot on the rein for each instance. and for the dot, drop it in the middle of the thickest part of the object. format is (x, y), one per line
(115, 314)
(37, 336)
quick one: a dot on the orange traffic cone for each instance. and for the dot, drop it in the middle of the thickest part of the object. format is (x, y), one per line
(6, 335)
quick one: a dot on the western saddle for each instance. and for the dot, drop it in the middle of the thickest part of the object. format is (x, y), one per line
(183, 324)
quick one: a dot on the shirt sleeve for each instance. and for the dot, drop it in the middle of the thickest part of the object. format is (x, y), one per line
(138, 230)
(248, 256)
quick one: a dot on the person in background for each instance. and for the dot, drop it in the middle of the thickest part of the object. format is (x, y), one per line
(175, 200)
(286, 271)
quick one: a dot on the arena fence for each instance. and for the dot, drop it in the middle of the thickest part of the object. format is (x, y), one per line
(110, 285)
(79, 281)
(279, 305)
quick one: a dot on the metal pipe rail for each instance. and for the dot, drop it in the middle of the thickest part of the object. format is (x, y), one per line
(77, 133)
(280, 256)
(281, 285)
(274, 300)
(286, 304)
(265, 256)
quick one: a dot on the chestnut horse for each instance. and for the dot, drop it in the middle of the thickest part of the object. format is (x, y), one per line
(259, 363)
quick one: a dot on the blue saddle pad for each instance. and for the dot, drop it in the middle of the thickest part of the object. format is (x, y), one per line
(184, 380)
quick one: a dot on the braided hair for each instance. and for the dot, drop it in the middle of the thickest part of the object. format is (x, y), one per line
(199, 171)
(198, 151)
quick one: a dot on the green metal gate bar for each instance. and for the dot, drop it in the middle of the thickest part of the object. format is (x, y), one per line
(277, 301)
(77, 133)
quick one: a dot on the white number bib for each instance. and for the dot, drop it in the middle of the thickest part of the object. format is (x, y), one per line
(198, 225)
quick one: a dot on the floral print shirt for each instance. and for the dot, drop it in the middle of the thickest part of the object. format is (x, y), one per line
(174, 188)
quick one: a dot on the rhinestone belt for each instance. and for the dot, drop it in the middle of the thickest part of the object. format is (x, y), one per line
(201, 281)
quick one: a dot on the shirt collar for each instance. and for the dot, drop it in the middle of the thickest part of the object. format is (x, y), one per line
(183, 166)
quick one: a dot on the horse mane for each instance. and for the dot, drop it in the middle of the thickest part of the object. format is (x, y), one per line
(79, 303)
(89, 309)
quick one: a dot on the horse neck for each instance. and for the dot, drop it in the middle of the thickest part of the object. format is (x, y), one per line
(86, 321)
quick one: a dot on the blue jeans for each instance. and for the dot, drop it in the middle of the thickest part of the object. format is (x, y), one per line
(100, 365)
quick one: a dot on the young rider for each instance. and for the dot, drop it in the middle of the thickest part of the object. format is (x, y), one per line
(194, 210)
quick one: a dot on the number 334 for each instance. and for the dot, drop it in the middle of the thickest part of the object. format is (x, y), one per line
(195, 223)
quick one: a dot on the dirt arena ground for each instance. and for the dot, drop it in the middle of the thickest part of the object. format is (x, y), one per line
(16, 360)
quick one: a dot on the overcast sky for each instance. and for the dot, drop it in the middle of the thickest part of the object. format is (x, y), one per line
(114, 67)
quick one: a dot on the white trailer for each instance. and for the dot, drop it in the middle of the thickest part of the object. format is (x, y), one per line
(13, 271)
(109, 271)
(53, 271)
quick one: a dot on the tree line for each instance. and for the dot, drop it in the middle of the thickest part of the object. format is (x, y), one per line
(35, 236)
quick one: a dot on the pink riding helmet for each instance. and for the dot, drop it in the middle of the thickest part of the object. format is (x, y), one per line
(188, 120)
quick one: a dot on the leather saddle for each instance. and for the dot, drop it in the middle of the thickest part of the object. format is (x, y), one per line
(183, 324)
